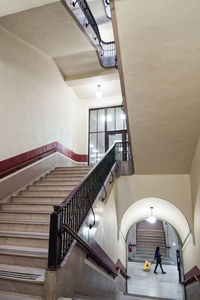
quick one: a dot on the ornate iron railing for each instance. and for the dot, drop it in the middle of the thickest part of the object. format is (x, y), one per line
(78, 204)
(107, 8)
(106, 50)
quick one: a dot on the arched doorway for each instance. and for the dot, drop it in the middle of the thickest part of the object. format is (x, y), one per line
(174, 226)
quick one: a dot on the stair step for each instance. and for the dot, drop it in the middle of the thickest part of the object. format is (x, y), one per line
(27, 280)
(27, 207)
(45, 193)
(24, 239)
(28, 215)
(63, 177)
(23, 256)
(38, 200)
(24, 226)
(16, 296)
(69, 172)
(50, 187)
(74, 168)
(56, 183)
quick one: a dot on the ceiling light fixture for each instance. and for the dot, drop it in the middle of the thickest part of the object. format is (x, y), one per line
(99, 91)
(151, 219)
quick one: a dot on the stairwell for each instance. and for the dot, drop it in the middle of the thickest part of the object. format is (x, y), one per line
(24, 232)
(148, 237)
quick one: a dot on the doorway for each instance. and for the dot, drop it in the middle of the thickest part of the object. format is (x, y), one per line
(142, 240)
(106, 126)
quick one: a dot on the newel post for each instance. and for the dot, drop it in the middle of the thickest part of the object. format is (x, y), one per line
(55, 241)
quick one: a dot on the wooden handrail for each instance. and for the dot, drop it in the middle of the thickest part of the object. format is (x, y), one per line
(98, 259)
(112, 270)
(192, 276)
(26, 163)
(73, 192)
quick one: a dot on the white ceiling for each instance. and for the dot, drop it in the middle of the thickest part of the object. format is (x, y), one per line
(160, 51)
(51, 29)
(162, 209)
(8, 7)
(86, 88)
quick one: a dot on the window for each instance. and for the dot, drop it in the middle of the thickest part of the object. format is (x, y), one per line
(106, 127)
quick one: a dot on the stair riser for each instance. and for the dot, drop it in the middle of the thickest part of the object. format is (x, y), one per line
(23, 261)
(69, 172)
(51, 188)
(28, 207)
(24, 242)
(24, 216)
(44, 193)
(64, 177)
(38, 200)
(25, 228)
(56, 183)
(22, 286)
(153, 244)
(74, 168)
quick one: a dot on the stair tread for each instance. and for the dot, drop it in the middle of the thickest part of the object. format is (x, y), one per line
(25, 211)
(28, 203)
(24, 234)
(24, 251)
(32, 222)
(16, 296)
(22, 273)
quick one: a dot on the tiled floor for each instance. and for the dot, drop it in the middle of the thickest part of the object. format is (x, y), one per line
(154, 285)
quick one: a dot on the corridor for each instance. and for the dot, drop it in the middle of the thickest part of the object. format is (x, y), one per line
(149, 284)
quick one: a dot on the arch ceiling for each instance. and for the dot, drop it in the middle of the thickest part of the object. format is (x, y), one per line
(162, 210)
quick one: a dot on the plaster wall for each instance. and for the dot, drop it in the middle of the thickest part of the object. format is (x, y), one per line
(172, 188)
(107, 231)
(175, 208)
(37, 107)
(195, 191)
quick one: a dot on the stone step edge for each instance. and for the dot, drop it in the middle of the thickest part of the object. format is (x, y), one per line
(31, 235)
(17, 296)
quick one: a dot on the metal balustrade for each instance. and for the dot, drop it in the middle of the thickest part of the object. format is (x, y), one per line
(106, 50)
(76, 207)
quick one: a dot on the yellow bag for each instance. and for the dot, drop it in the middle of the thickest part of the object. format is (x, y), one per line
(147, 266)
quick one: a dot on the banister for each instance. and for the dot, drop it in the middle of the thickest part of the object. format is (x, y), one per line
(77, 205)
(26, 163)
(192, 276)
(90, 251)
(73, 192)
(81, 12)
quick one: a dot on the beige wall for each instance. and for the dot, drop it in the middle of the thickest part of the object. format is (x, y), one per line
(37, 107)
(107, 231)
(169, 194)
(194, 255)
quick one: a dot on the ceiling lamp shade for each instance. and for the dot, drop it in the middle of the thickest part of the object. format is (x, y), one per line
(151, 219)
(99, 91)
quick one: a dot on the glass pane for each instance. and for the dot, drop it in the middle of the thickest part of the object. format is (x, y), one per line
(101, 120)
(110, 119)
(114, 138)
(101, 144)
(93, 120)
(120, 119)
(93, 148)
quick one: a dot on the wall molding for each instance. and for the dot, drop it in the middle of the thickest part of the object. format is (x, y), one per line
(15, 163)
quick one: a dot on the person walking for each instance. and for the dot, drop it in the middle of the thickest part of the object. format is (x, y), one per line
(158, 260)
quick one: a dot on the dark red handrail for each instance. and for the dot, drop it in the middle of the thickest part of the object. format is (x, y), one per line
(73, 192)
(26, 163)
(111, 267)
(192, 276)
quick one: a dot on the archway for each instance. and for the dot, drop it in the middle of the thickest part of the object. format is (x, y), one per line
(168, 214)
(162, 210)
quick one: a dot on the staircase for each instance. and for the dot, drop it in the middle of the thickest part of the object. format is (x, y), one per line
(148, 237)
(24, 232)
